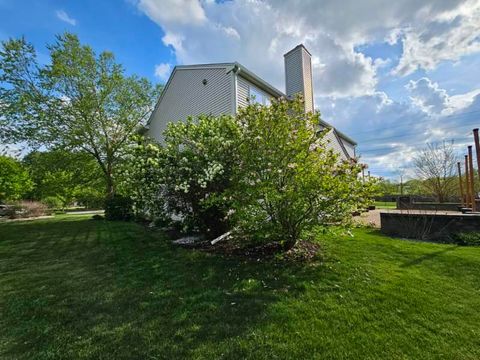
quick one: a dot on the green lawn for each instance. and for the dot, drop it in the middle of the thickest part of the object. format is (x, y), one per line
(385, 204)
(73, 288)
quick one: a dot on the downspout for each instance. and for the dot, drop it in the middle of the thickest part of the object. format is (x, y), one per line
(235, 71)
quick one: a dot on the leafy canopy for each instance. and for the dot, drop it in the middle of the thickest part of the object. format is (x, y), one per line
(65, 175)
(15, 181)
(78, 101)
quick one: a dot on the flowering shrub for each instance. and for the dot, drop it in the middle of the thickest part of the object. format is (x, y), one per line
(141, 179)
(287, 181)
(266, 175)
(187, 176)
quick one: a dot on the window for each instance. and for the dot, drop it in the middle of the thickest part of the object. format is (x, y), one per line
(257, 96)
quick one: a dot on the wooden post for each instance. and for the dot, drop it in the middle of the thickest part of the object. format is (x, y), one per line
(477, 149)
(471, 178)
(467, 184)
(460, 182)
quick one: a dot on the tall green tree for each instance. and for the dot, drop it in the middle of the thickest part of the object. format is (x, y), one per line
(14, 179)
(63, 174)
(79, 101)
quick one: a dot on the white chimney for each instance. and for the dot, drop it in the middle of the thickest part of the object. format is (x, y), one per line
(298, 75)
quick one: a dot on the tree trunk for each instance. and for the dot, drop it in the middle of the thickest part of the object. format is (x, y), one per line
(288, 244)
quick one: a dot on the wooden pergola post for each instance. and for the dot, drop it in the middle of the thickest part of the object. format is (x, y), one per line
(467, 184)
(460, 182)
(471, 178)
(477, 149)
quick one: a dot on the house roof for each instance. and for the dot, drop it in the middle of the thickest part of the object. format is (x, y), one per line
(249, 75)
(339, 133)
(239, 69)
(296, 47)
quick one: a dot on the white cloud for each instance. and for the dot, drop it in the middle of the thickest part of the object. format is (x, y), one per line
(430, 98)
(257, 34)
(390, 133)
(162, 71)
(173, 11)
(447, 36)
(62, 15)
(241, 31)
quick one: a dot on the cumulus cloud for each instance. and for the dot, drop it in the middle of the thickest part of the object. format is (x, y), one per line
(447, 36)
(430, 98)
(240, 31)
(62, 15)
(257, 34)
(390, 133)
(173, 11)
(162, 71)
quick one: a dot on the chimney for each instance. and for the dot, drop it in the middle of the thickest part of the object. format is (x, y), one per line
(298, 75)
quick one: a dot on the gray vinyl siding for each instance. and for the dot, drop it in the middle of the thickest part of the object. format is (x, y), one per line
(349, 147)
(186, 95)
(243, 91)
(293, 73)
(334, 144)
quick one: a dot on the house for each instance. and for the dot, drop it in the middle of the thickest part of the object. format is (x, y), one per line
(223, 88)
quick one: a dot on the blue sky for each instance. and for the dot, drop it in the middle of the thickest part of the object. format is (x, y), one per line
(393, 76)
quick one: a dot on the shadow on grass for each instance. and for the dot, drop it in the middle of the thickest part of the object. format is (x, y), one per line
(427, 257)
(90, 289)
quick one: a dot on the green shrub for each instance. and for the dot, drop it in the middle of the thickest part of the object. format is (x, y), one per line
(287, 181)
(118, 207)
(52, 202)
(467, 238)
(187, 176)
(265, 175)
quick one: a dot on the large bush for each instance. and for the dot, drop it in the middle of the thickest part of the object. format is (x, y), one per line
(118, 207)
(266, 175)
(188, 175)
(287, 181)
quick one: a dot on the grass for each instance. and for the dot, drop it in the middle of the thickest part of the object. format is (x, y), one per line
(74, 288)
(385, 204)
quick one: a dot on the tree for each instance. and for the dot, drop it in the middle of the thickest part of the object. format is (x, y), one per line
(14, 179)
(63, 174)
(435, 166)
(387, 187)
(80, 101)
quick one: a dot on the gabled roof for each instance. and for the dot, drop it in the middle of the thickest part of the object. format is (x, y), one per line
(339, 133)
(231, 66)
(243, 71)
(249, 75)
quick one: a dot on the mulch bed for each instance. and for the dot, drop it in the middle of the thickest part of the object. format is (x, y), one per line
(302, 251)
